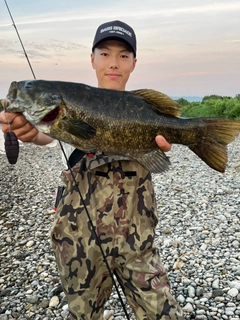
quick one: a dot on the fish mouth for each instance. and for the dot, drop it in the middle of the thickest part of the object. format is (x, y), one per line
(13, 105)
(6, 103)
(51, 116)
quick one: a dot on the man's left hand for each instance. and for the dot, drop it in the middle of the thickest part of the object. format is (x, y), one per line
(163, 144)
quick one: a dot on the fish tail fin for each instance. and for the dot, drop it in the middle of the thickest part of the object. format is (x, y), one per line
(212, 148)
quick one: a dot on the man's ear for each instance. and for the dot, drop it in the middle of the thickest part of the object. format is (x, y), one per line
(134, 64)
(92, 60)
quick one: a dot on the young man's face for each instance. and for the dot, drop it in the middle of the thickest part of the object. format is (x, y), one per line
(113, 63)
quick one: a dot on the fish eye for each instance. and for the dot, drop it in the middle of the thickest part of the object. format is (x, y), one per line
(28, 85)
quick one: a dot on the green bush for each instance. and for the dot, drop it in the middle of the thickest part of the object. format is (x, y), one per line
(213, 106)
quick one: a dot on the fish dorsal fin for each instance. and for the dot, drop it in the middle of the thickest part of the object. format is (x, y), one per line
(160, 100)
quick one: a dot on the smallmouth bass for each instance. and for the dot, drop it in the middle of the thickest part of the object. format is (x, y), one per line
(120, 122)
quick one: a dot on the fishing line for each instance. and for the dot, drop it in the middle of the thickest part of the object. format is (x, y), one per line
(14, 25)
(93, 228)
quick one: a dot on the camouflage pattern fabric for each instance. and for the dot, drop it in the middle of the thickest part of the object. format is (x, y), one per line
(120, 199)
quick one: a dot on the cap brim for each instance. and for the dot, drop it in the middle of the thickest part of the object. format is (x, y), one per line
(117, 39)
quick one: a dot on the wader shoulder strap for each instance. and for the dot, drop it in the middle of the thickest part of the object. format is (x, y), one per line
(75, 156)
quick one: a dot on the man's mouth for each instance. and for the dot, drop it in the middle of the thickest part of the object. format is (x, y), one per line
(113, 75)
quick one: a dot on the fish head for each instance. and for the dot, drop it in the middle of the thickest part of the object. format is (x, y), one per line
(38, 100)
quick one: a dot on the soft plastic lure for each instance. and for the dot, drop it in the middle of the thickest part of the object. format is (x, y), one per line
(11, 141)
(11, 147)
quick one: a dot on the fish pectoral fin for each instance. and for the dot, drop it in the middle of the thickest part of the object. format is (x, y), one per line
(161, 101)
(78, 128)
(155, 161)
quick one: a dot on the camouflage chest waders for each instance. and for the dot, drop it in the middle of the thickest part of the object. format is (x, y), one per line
(120, 199)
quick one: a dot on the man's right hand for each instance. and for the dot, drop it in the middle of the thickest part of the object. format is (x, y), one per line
(23, 129)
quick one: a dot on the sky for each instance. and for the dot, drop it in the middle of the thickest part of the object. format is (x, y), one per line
(184, 47)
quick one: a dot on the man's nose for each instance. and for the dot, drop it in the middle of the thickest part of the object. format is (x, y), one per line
(113, 64)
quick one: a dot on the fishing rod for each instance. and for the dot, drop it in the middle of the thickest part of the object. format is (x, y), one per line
(93, 228)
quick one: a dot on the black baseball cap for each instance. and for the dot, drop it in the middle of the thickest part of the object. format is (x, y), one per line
(116, 30)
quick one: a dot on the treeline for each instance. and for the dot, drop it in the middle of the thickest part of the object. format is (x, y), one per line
(212, 106)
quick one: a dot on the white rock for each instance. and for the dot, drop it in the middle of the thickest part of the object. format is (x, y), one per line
(221, 217)
(44, 274)
(54, 301)
(219, 299)
(233, 292)
(191, 292)
(65, 307)
(215, 284)
(8, 239)
(203, 247)
(30, 243)
(181, 298)
(107, 314)
(188, 307)
(30, 291)
(235, 284)
(236, 243)
(230, 311)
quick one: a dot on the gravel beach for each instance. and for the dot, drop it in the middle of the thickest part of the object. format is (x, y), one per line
(198, 236)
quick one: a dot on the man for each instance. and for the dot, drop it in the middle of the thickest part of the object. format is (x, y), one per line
(119, 196)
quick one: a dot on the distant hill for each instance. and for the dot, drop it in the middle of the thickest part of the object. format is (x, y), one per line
(189, 99)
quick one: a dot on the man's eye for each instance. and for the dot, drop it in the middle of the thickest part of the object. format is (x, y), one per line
(124, 56)
(104, 54)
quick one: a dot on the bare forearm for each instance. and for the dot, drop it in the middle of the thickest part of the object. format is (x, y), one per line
(42, 139)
